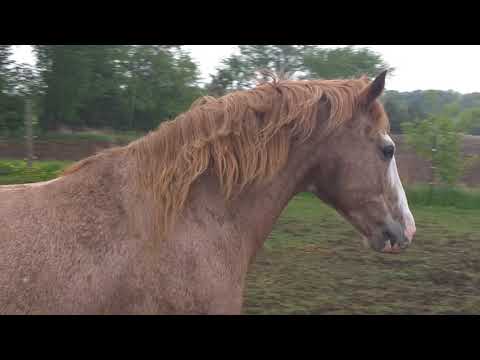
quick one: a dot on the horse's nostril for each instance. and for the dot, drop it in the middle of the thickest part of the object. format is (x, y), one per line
(390, 237)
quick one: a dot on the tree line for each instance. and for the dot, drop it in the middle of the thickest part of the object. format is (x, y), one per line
(135, 87)
(418, 106)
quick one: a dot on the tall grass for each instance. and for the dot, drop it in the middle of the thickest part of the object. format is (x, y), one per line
(458, 197)
(441, 196)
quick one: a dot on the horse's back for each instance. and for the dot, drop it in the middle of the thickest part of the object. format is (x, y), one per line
(21, 243)
(57, 243)
(20, 202)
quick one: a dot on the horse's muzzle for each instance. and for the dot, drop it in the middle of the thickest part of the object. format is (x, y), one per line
(392, 238)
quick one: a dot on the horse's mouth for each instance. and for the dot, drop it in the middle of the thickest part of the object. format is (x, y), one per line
(395, 249)
(391, 240)
(382, 241)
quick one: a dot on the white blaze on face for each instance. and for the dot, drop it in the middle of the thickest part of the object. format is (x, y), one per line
(394, 180)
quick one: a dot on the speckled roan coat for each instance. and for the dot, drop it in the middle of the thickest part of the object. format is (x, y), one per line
(84, 243)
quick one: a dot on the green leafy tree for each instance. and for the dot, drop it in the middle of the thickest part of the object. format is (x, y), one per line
(5, 63)
(17, 81)
(103, 105)
(115, 86)
(238, 71)
(412, 106)
(160, 82)
(26, 80)
(344, 62)
(65, 73)
(397, 111)
(438, 139)
(469, 120)
(11, 115)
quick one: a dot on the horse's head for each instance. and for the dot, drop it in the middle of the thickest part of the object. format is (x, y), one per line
(358, 176)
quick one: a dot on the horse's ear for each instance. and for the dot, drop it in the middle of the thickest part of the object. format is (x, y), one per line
(374, 89)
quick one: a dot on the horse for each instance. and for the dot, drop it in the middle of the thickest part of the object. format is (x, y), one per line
(170, 223)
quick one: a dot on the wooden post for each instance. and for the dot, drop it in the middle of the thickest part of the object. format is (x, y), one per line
(29, 132)
(434, 169)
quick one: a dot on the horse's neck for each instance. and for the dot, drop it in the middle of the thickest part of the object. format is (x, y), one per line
(265, 205)
(262, 208)
(253, 214)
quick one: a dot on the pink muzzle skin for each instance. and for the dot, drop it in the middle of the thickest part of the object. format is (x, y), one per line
(410, 232)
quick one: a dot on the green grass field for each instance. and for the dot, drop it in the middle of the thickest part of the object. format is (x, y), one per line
(114, 137)
(17, 171)
(92, 135)
(315, 263)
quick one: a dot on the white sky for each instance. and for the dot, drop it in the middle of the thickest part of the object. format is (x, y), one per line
(418, 67)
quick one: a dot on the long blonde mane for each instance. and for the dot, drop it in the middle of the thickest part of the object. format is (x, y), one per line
(244, 138)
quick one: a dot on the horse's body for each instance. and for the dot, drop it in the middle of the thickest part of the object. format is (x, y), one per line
(90, 241)
(73, 245)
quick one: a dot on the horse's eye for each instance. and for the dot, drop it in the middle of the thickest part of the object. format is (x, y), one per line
(388, 151)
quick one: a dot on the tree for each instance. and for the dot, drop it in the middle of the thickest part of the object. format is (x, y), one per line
(11, 114)
(16, 82)
(438, 138)
(238, 70)
(65, 73)
(5, 63)
(103, 105)
(413, 106)
(396, 109)
(114, 86)
(160, 82)
(344, 62)
(26, 80)
(469, 121)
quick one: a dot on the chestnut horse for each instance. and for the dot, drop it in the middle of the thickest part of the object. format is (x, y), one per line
(170, 223)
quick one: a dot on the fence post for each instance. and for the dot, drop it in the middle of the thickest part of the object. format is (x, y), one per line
(433, 167)
(29, 132)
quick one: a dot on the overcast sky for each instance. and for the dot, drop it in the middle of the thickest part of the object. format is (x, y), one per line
(418, 67)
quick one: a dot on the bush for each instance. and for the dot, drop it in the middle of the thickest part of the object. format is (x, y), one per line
(17, 171)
